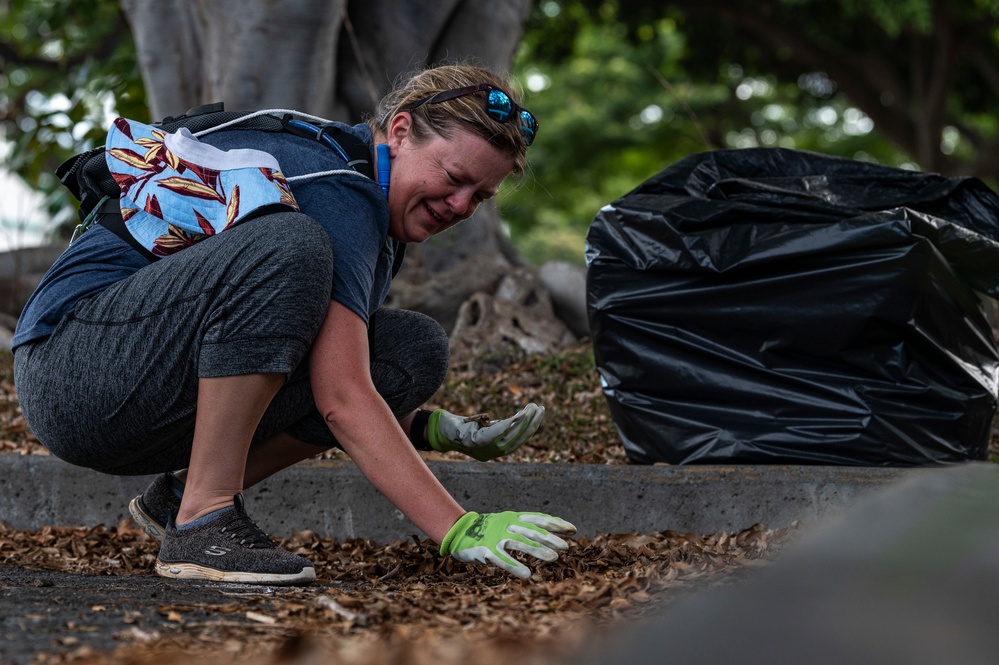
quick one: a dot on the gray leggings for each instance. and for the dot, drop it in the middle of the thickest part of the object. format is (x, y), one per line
(115, 387)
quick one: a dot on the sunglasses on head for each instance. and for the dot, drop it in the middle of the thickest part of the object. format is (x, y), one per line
(499, 106)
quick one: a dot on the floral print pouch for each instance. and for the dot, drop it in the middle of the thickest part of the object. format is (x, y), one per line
(176, 190)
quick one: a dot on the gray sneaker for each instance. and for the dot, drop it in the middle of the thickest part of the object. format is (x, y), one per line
(152, 509)
(230, 548)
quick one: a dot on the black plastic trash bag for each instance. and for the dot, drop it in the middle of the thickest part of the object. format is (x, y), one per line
(780, 306)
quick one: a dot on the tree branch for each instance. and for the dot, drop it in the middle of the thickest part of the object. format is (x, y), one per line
(931, 83)
(864, 79)
(11, 55)
(987, 69)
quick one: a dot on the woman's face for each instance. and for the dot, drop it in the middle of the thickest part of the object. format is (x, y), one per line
(440, 182)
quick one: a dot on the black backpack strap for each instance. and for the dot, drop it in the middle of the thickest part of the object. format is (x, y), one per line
(68, 170)
(87, 177)
(358, 152)
(400, 255)
(109, 216)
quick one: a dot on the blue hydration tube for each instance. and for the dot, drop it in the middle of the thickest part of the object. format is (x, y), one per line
(384, 160)
(384, 167)
(320, 136)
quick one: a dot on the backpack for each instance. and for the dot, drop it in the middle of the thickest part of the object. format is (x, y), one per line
(89, 179)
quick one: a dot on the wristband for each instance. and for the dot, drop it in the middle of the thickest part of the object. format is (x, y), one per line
(416, 429)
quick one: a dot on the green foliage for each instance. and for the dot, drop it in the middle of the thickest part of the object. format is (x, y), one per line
(605, 119)
(892, 15)
(622, 89)
(65, 66)
(618, 100)
(922, 68)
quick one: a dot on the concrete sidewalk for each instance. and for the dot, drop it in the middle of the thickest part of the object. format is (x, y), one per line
(335, 500)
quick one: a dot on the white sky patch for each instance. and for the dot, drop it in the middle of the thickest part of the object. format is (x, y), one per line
(23, 219)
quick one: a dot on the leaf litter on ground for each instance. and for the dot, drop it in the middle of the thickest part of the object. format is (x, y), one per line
(402, 602)
(404, 598)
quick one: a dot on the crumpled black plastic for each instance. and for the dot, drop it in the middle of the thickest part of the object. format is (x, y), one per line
(784, 307)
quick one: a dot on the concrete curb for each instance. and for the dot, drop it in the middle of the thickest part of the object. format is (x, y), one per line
(334, 499)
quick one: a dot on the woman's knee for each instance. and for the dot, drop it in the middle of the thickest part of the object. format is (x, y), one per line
(409, 357)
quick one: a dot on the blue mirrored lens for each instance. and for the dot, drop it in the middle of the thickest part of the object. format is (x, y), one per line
(528, 126)
(499, 105)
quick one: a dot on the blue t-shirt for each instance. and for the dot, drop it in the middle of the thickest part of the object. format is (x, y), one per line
(352, 210)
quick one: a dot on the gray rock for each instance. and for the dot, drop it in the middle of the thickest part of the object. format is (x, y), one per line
(567, 285)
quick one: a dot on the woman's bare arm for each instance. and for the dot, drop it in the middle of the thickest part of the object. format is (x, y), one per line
(366, 428)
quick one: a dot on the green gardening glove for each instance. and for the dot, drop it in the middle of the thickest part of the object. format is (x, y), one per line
(483, 440)
(486, 538)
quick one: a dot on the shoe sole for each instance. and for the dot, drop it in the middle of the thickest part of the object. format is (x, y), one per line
(145, 520)
(192, 571)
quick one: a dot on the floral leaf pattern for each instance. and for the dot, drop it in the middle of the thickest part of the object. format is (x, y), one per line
(132, 158)
(232, 210)
(206, 226)
(278, 179)
(153, 207)
(124, 180)
(206, 175)
(174, 240)
(189, 187)
(188, 191)
(122, 125)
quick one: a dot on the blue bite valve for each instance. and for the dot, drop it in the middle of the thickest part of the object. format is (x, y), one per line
(384, 167)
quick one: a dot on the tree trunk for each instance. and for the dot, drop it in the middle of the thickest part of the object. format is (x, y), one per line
(248, 54)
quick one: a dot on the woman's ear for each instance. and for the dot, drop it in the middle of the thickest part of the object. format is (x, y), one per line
(399, 130)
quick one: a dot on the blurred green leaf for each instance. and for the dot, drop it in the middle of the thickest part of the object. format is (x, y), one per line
(66, 67)
(623, 88)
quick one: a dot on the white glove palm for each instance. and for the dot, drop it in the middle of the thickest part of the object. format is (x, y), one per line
(470, 436)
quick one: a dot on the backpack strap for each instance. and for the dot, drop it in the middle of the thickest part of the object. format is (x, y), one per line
(108, 215)
(400, 254)
(353, 150)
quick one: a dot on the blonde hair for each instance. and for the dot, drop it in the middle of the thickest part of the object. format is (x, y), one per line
(445, 118)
